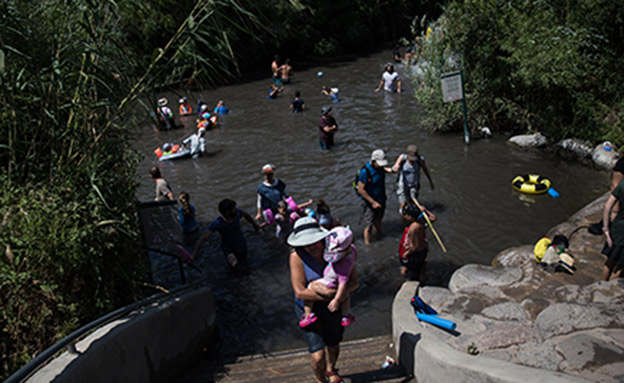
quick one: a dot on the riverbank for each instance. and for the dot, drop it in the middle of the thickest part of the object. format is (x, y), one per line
(517, 312)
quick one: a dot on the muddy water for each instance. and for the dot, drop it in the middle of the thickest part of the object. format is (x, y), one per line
(479, 214)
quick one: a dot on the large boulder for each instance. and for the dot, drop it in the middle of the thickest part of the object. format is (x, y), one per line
(477, 275)
(604, 159)
(564, 318)
(529, 141)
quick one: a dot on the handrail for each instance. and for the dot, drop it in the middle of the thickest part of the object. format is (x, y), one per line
(69, 341)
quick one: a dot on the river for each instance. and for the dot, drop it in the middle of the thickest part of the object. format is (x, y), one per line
(479, 214)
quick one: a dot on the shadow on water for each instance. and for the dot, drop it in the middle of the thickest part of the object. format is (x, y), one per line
(478, 212)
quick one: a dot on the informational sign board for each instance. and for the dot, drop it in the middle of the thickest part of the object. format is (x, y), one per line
(160, 223)
(452, 88)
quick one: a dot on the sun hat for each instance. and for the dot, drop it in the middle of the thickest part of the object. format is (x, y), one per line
(412, 152)
(203, 108)
(182, 100)
(268, 168)
(325, 110)
(379, 156)
(162, 101)
(306, 231)
(339, 239)
(566, 262)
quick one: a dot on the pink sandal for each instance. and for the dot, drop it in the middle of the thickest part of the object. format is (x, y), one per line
(307, 321)
(347, 320)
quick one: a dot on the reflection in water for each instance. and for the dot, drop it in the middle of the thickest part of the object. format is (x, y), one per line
(479, 214)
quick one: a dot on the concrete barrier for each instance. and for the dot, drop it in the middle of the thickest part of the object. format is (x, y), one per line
(424, 352)
(152, 344)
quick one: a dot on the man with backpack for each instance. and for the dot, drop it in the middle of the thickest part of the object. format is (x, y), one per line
(408, 183)
(371, 188)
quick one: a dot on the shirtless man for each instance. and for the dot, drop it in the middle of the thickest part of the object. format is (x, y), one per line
(286, 72)
(275, 69)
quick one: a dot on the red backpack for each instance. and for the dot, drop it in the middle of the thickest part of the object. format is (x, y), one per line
(402, 242)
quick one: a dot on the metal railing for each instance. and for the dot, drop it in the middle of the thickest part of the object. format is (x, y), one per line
(69, 342)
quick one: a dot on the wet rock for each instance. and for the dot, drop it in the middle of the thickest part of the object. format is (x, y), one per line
(510, 311)
(489, 293)
(585, 351)
(581, 148)
(604, 159)
(464, 304)
(477, 275)
(564, 318)
(529, 141)
(539, 355)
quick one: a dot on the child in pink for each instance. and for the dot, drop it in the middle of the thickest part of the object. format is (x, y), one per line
(340, 253)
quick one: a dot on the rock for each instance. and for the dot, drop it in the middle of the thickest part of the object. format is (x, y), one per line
(539, 355)
(476, 275)
(510, 311)
(514, 256)
(490, 292)
(604, 159)
(572, 294)
(507, 354)
(606, 292)
(529, 141)
(585, 351)
(465, 304)
(500, 336)
(435, 296)
(581, 148)
(564, 318)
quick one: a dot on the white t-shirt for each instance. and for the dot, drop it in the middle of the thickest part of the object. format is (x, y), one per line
(390, 81)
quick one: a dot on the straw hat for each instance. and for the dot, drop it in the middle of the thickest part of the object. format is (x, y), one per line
(162, 102)
(306, 232)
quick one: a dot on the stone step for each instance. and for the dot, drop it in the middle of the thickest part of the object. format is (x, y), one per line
(360, 361)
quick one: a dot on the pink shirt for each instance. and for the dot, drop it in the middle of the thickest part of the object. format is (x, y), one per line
(338, 272)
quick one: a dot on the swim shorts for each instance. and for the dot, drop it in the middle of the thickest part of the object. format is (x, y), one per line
(370, 214)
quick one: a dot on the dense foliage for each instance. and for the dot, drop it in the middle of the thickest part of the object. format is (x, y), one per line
(70, 72)
(529, 66)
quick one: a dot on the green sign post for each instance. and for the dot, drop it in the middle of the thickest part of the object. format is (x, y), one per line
(452, 90)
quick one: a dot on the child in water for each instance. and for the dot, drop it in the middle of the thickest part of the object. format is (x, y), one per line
(325, 219)
(187, 213)
(340, 253)
(273, 91)
(227, 224)
(413, 247)
(333, 93)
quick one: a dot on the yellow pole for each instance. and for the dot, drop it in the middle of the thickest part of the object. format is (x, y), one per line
(431, 226)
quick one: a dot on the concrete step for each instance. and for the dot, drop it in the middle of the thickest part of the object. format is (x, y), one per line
(360, 361)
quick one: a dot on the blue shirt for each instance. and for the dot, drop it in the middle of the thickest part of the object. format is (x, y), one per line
(297, 105)
(232, 238)
(271, 195)
(188, 223)
(374, 181)
(221, 110)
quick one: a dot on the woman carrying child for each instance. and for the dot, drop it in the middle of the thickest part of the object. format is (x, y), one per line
(306, 264)
(340, 253)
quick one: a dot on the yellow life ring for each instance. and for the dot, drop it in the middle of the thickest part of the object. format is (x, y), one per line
(531, 183)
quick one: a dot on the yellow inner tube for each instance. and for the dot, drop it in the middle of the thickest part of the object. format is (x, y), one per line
(531, 183)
